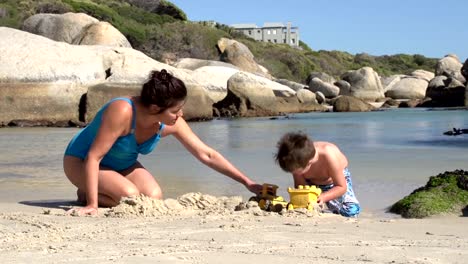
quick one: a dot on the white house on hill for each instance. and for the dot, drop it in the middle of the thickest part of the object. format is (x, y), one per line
(271, 32)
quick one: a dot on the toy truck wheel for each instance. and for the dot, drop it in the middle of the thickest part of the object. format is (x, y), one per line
(278, 208)
(290, 206)
(253, 199)
(262, 204)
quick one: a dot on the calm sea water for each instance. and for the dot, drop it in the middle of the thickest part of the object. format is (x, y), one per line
(390, 153)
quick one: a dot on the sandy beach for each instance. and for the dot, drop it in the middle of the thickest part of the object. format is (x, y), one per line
(200, 228)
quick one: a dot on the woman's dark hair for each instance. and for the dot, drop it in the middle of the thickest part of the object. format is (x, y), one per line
(163, 89)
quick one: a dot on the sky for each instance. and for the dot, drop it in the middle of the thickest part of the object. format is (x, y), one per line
(432, 28)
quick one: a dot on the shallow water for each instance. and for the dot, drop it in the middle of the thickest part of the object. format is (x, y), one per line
(390, 154)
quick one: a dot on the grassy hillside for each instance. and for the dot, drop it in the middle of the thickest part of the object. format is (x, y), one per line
(164, 32)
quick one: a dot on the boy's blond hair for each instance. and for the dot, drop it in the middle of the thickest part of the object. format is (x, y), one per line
(295, 150)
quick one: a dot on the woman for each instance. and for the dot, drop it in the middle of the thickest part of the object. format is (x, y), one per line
(101, 160)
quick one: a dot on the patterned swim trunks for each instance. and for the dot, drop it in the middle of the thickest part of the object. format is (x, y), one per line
(346, 205)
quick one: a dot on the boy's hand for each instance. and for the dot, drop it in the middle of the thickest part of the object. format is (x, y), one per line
(320, 202)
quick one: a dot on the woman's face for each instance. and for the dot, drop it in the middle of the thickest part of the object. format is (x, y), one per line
(171, 114)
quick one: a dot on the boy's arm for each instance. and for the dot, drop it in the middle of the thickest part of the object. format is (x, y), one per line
(298, 180)
(336, 174)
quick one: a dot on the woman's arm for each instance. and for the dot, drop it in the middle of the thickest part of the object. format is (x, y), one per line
(116, 121)
(209, 156)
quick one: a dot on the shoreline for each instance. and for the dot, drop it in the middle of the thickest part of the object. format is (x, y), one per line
(214, 234)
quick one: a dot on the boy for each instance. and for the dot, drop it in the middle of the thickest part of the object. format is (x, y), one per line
(322, 164)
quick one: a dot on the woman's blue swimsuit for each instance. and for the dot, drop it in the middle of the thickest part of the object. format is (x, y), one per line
(124, 152)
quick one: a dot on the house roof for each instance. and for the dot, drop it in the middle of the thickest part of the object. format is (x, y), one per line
(273, 25)
(244, 26)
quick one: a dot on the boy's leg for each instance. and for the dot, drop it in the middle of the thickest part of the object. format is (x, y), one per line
(350, 206)
(346, 205)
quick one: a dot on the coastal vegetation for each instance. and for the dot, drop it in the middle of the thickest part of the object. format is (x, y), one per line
(446, 193)
(162, 31)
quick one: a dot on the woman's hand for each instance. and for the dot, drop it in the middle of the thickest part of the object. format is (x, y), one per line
(87, 210)
(255, 188)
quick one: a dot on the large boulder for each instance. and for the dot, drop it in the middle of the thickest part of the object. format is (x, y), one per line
(293, 85)
(327, 89)
(214, 80)
(306, 96)
(75, 28)
(239, 55)
(41, 79)
(252, 95)
(391, 80)
(466, 95)
(102, 33)
(408, 88)
(58, 27)
(346, 103)
(193, 64)
(422, 74)
(450, 66)
(322, 76)
(197, 107)
(464, 70)
(365, 84)
(445, 92)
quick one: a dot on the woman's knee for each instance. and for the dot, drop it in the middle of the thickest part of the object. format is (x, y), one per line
(130, 191)
(156, 193)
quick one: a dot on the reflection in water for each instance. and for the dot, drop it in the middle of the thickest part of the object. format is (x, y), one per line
(390, 153)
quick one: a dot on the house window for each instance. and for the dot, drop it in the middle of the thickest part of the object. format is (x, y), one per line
(268, 32)
(258, 31)
(274, 31)
(250, 32)
(284, 41)
(293, 41)
(274, 40)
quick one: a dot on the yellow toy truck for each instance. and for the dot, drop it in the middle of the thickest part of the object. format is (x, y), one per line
(304, 196)
(268, 200)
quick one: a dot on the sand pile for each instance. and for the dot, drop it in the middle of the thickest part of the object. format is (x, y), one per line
(194, 204)
(187, 204)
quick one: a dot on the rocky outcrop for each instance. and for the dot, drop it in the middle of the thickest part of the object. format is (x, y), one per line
(293, 85)
(193, 64)
(448, 87)
(327, 89)
(450, 66)
(75, 28)
(322, 76)
(214, 80)
(305, 96)
(197, 107)
(464, 70)
(422, 74)
(102, 33)
(444, 193)
(51, 82)
(350, 104)
(239, 55)
(252, 95)
(408, 87)
(365, 84)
